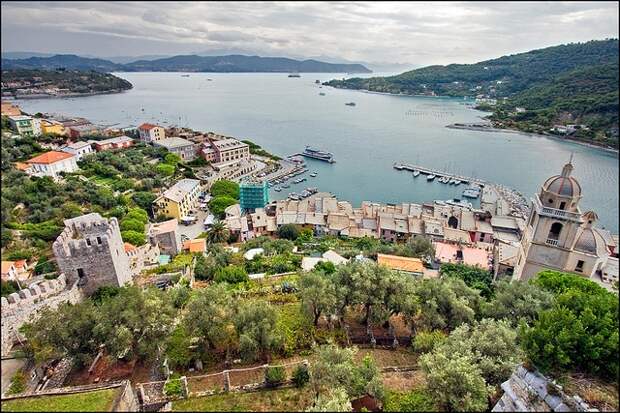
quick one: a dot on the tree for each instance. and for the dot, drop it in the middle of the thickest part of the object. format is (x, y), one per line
(224, 187)
(420, 247)
(427, 341)
(143, 199)
(134, 237)
(335, 400)
(326, 267)
(474, 277)
(218, 233)
(491, 345)
(454, 381)
(178, 351)
(412, 401)
(318, 295)
(172, 159)
(202, 269)
(516, 301)
(255, 323)
(209, 318)
(301, 375)
(165, 169)
(131, 225)
(288, 231)
(218, 204)
(138, 214)
(231, 274)
(335, 367)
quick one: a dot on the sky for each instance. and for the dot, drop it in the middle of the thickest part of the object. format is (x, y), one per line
(417, 33)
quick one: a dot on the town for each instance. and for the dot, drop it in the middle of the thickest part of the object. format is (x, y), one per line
(224, 292)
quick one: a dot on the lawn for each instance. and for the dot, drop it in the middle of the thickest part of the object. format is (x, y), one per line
(281, 400)
(96, 401)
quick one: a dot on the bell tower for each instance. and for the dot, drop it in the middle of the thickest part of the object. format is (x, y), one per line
(552, 226)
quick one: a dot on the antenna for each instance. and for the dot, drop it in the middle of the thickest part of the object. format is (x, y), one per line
(571, 157)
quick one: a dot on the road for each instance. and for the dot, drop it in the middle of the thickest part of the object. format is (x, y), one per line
(192, 231)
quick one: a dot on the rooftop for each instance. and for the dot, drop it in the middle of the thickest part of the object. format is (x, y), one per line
(77, 145)
(163, 227)
(228, 143)
(195, 245)
(20, 117)
(147, 126)
(50, 157)
(401, 263)
(174, 142)
(116, 140)
(179, 190)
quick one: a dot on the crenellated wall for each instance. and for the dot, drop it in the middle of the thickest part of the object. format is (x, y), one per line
(24, 305)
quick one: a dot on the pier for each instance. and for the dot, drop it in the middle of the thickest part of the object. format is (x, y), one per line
(440, 174)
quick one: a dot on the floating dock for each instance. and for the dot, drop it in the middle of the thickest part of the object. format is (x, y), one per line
(438, 173)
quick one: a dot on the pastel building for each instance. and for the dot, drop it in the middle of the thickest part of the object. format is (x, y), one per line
(150, 133)
(79, 149)
(179, 146)
(25, 125)
(225, 150)
(178, 200)
(51, 164)
(51, 127)
(118, 142)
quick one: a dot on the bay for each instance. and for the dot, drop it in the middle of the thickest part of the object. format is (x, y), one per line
(285, 114)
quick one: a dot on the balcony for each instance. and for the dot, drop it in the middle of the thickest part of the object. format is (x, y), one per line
(551, 241)
(555, 213)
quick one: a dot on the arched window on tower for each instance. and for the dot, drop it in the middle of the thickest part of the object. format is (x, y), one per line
(554, 233)
(453, 222)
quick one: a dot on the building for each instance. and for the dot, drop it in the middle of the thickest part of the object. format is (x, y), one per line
(52, 163)
(83, 130)
(150, 133)
(178, 200)
(253, 195)
(558, 236)
(166, 235)
(51, 127)
(113, 143)
(9, 109)
(456, 254)
(90, 250)
(25, 125)
(225, 150)
(79, 149)
(195, 245)
(406, 265)
(9, 271)
(179, 146)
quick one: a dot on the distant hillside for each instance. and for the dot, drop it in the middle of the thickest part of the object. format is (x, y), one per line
(497, 77)
(189, 63)
(573, 83)
(25, 82)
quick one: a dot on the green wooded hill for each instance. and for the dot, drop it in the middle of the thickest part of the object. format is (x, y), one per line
(577, 82)
(73, 80)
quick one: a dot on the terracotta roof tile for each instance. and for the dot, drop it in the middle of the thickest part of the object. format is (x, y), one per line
(50, 157)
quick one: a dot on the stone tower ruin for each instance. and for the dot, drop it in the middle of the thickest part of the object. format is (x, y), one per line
(90, 249)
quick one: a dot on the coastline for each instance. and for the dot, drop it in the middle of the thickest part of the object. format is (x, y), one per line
(68, 95)
(535, 135)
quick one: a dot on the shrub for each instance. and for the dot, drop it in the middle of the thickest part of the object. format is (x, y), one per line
(132, 225)
(225, 188)
(173, 386)
(232, 274)
(426, 341)
(414, 401)
(301, 375)
(8, 287)
(133, 237)
(274, 376)
(288, 231)
(18, 383)
(218, 204)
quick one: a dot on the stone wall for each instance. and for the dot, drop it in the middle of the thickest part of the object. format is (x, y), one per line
(24, 305)
(530, 391)
(142, 256)
(90, 249)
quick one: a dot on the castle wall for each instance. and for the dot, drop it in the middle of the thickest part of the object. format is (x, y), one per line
(25, 305)
(94, 246)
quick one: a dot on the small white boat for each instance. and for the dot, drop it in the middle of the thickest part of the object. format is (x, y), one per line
(430, 177)
(313, 174)
(277, 189)
(416, 173)
(457, 182)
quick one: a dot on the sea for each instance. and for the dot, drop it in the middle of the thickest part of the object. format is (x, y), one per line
(284, 114)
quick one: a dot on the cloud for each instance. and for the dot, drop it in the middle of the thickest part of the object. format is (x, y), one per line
(420, 33)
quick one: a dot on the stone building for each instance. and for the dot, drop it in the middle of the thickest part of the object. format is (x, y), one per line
(166, 234)
(90, 250)
(558, 236)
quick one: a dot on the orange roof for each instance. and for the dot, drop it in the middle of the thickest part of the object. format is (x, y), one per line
(50, 157)
(395, 262)
(129, 247)
(6, 266)
(147, 126)
(21, 166)
(195, 245)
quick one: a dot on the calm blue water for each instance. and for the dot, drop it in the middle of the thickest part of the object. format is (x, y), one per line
(284, 114)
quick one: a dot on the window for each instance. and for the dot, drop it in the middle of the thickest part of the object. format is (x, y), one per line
(579, 267)
(88, 242)
(562, 205)
(99, 240)
(80, 272)
(554, 232)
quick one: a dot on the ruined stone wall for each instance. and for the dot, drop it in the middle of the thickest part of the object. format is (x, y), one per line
(24, 306)
(144, 255)
(95, 246)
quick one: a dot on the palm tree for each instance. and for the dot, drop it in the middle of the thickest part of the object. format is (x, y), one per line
(218, 233)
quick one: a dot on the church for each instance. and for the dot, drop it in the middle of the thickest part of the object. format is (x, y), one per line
(558, 236)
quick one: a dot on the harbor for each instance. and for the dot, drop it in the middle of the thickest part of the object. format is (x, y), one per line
(501, 199)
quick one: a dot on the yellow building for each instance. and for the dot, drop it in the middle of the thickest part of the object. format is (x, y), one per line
(178, 200)
(49, 127)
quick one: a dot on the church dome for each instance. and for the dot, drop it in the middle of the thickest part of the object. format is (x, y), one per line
(587, 241)
(563, 184)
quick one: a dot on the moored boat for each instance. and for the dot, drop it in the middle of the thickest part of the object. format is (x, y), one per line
(416, 173)
(430, 177)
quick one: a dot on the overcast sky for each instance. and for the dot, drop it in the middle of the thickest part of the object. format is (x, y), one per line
(415, 33)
